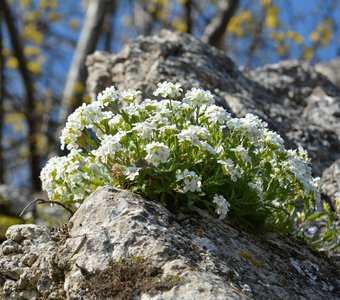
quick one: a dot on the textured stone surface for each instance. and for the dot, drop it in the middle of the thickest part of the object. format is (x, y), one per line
(209, 258)
(331, 70)
(27, 263)
(331, 180)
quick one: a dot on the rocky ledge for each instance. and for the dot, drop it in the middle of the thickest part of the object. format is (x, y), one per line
(119, 246)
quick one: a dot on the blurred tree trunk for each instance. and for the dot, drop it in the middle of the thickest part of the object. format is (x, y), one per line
(29, 105)
(215, 30)
(2, 94)
(188, 15)
(90, 33)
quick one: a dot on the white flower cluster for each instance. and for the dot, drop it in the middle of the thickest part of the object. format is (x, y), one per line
(108, 96)
(191, 181)
(198, 97)
(157, 153)
(175, 150)
(131, 95)
(222, 206)
(61, 177)
(168, 89)
(110, 145)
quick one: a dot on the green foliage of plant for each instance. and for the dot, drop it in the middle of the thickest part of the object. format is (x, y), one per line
(188, 152)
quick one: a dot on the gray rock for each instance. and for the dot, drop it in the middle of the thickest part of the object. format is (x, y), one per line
(204, 259)
(331, 70)
(331, 180)
(27, 263)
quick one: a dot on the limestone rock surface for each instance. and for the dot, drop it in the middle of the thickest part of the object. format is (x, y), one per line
(331, 70)
(187, 255)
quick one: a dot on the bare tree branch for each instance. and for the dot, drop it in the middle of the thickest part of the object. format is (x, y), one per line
(2, 94)
(256, 40)
(188, 15)
(215, 30)
(29, 90)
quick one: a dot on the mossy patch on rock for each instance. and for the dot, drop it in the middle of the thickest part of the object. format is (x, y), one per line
(124, 279)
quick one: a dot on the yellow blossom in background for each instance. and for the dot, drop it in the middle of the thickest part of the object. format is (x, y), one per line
(73, 24)
(297, 38)
(309, 53)
(32, 16)
(278, 35)
(325, 30)
(25, 3)
(31, 51)
(31, 33)
(272, 20)
(41, 142)
(34, 67)
(266, 2)
(179, 25)
(160, 2)
(79, 88)
(45, 4)
(12, 62)
(314, 36)
(282, 50)
(15, 120)
(236, 23)
(53, 16)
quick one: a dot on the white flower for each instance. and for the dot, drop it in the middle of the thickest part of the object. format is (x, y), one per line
(157, 153)
(191, 181)
(131, 172)
(73, 129)
(65, 170)
(193, 133)
(159, 119)
(217, 115)
(109, 146)
(86, 116)
(168, 129)
(229, 168)
(242, 152)
(131, 95)
(145, 129)
(168, 89)
(188, 135)
(250, 125)
(115, 121)
(273, 138)
(223, 206)
(198, 97)
(52, 171)
(108, 96)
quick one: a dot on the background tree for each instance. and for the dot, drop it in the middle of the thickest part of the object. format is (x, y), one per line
(44, 40)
